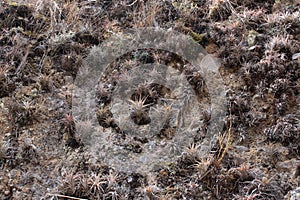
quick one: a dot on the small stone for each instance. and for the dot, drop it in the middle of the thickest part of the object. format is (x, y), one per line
(295, 194)
(296, 56)
(129, 179)
(288, 164)
(241, 148)
(68, 79)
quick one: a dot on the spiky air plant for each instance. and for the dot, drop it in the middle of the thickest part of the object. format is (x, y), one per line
(139, 111)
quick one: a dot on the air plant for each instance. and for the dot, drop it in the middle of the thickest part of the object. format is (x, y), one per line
(139, 111)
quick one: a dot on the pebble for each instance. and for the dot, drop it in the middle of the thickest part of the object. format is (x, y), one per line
(241, 148)
(295, 194)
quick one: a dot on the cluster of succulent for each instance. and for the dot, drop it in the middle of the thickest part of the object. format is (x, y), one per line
(140, 108)
(106, 184)
(120, 76)
(68, 132)
(286, 131)
(92, 186)
(19, 115)
(6, 84)
(262, 188)
(266, 69)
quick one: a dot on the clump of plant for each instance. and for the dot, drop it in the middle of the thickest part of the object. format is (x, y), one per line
(21, 113)
(90, 185)
(2, 155)
(262, 187)
(185, 7)
(6, 84)
(68, 131)
(220, 9)
(28, 151)
(286, 131)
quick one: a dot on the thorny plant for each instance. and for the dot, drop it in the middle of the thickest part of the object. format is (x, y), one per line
(202, 165)
(263, 187)
(69, 124)
(185, 6)
(96, 183)
(144, 15)
(112, 179)
(247, 197)
(23, 112)
(224, 144)
(70, 183)
(150, 190)
(193, 150)
(139, 113)
(139, 104)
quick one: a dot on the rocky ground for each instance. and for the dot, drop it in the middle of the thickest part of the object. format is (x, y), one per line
(44, 45)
